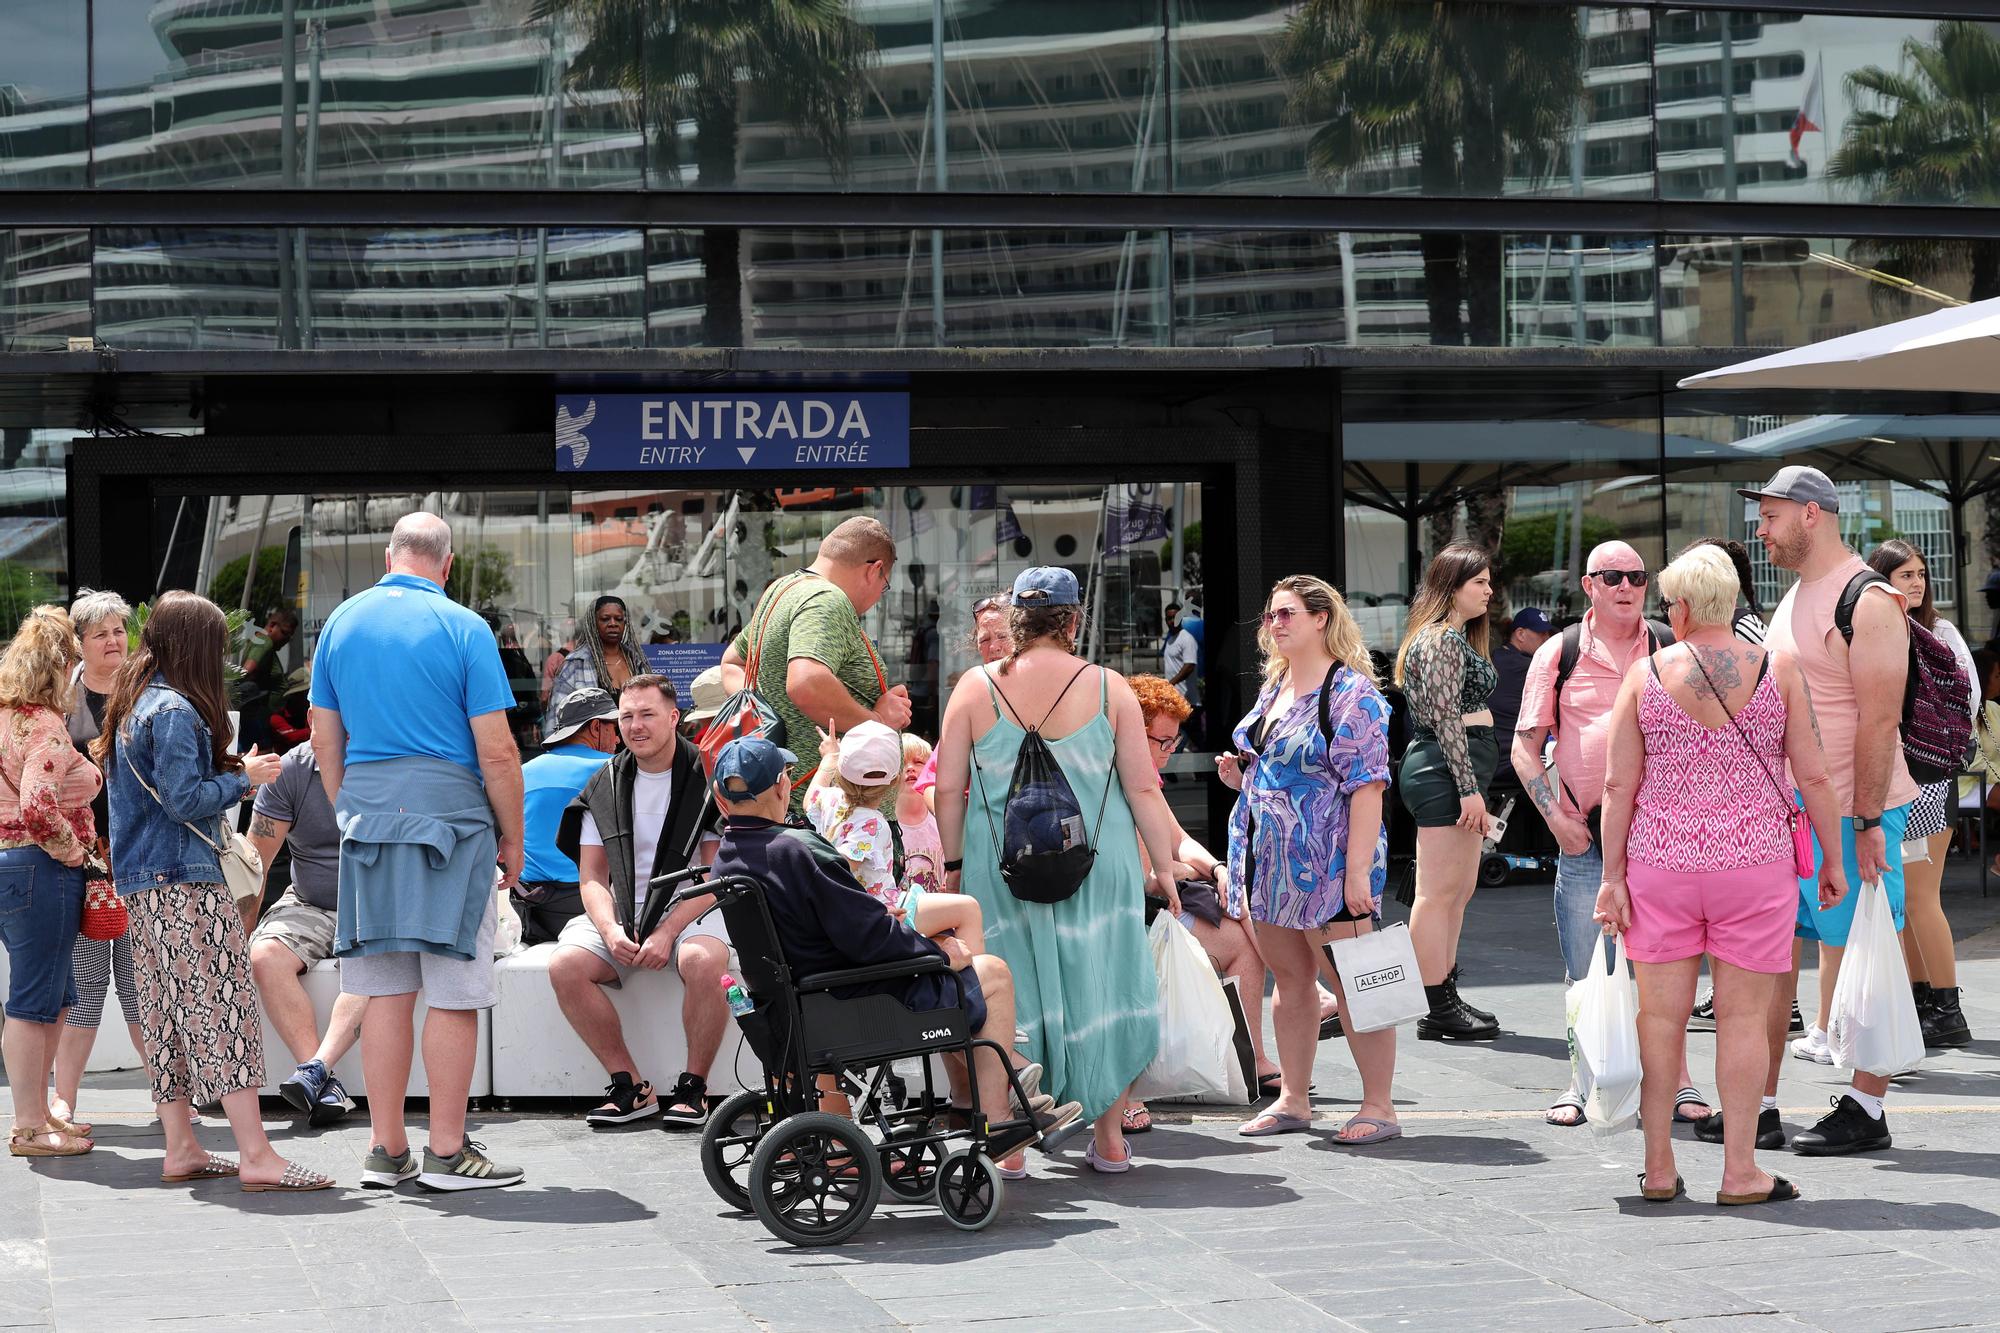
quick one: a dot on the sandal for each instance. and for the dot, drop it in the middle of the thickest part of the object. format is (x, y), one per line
(1569, 1101)
(27, 1142)
(296, 1180)
(63, 1121)
(1137, 1120)
(1651, 1195)
(1690, 1096)
(1781, 1191)
(215, 1168)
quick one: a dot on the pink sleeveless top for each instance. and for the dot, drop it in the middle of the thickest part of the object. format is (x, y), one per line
(1708, 803)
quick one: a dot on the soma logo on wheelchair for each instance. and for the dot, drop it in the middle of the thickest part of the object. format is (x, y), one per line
(933, 1034)
(1387, 976)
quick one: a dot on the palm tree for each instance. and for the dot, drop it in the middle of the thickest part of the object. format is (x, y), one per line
(1481, 89)
(1929, 132)
(690, 60)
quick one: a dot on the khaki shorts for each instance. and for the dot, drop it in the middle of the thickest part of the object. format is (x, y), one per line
(304, 929)
(581, 934)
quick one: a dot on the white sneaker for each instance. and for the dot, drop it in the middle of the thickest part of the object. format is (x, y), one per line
(1812, 1047)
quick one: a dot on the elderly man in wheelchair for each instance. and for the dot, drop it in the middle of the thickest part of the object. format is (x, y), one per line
(843, 986)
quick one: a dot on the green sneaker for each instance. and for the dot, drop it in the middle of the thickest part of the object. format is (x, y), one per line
(380, 1171)
(472, 1169)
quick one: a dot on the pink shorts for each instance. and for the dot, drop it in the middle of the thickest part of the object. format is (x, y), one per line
(1742, 916)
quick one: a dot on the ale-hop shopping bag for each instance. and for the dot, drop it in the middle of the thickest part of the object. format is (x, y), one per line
(1604, 1043)
(1378, 971)
(1197, 1034)
(1873, 1028)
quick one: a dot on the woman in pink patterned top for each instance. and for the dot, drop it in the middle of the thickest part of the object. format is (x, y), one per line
(1700, 739)
(46, 832)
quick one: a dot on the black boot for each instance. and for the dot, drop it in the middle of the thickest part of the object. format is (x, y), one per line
(1451, 982)
(1944, 1021)
(1770, 1130)
(1450, 1020)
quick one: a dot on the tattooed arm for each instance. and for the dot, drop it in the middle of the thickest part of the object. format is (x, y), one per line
(1543, 783)
(267, 835)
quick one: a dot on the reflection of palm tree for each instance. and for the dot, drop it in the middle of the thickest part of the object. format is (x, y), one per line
(1480, 90)
(1929, 132)
(697, 60)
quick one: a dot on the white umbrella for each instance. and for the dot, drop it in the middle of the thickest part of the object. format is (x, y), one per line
(1947, 351)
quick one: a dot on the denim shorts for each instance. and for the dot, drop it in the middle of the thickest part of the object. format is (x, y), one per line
(41, 906)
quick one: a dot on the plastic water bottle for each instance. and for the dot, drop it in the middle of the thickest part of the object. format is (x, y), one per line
(738, 998)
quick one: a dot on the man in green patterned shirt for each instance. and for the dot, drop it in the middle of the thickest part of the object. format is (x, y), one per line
(815, 665)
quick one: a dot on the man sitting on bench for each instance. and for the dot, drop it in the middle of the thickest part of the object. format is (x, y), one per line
(827, 922)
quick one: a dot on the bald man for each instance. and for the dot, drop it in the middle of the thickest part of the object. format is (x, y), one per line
(1613, 635)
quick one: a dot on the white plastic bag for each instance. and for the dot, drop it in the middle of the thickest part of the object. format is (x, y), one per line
(507, 928)
(1873, 1028)
(1604, 1044)
(1197, 1033)
(1378, 971)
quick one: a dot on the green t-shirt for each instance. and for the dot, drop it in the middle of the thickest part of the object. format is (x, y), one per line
(811, 618)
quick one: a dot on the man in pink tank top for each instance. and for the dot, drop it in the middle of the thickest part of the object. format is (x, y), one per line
(1857, 693)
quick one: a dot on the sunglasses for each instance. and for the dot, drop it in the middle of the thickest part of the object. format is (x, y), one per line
(1611, 578)
(1281, 616)
(985, 604)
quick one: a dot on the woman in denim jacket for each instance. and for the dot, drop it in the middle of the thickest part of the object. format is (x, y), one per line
(164, 747)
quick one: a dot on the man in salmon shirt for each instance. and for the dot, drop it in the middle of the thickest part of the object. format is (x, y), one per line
(1856, 689)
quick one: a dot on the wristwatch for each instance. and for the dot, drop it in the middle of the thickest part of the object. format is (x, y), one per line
(954, 865)
(1864, 822)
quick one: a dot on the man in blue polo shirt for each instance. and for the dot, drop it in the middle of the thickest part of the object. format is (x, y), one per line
(581, 740)
(409, 723)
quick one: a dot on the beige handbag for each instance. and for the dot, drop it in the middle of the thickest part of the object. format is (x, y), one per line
(242, 868)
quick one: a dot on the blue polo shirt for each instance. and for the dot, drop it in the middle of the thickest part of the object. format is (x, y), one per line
(408, 669)
(551, 780)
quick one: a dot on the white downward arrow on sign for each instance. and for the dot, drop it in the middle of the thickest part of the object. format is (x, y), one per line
(749, 451)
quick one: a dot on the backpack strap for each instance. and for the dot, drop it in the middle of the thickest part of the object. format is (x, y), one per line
(1850, 597)
(1326, 688)
(1571, 654)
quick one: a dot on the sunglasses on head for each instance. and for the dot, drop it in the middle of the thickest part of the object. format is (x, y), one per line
(1611, 578)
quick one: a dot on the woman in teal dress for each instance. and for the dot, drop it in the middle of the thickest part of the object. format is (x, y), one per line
(1084, 989)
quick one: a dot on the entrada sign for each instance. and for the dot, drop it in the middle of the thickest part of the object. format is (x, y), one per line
(724, 432)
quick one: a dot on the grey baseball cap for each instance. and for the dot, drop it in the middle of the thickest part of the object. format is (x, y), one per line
(1800, 484)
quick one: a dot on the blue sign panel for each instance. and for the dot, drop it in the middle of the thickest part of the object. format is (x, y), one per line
(721, 431)
(681, 663)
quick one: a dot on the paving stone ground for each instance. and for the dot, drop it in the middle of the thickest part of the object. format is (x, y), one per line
(1482, 1218)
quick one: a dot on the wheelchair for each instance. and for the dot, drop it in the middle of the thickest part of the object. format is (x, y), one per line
(814, 1178)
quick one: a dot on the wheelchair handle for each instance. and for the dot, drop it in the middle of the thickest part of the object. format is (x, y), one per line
(694, 889)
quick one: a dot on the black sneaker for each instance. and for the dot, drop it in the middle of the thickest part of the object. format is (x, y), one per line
(1703, 1017)
(624, 1102)
(333, 1105)
(1798, 1019)
(1845, 1129)
(1770, 1133)
(687, 1106)
(1944, 1022)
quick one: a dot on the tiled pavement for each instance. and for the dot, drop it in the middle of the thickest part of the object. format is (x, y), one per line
(1483, 1218)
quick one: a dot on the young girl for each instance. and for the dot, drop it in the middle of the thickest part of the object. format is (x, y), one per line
(857, 773)
(923, 849)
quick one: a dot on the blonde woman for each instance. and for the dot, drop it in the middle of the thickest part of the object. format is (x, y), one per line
(1308, 852)
(46, 833)
(1444, 672)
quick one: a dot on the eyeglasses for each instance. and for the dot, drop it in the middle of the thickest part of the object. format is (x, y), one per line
(1280, 616)
(996, 602)
(1166, 746)
(1611, 578)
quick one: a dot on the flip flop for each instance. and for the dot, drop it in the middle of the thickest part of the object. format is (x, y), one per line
(1571, 1101)
(1650, 1195)
(1781, 1191)
(215, 1168)
(1137, 1120)
(1329, 1028)
(296, 1180)
(1279, 1124)
(1690, 1096)
(1384, 1131)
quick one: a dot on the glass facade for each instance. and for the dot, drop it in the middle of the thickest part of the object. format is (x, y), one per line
(1475, 99)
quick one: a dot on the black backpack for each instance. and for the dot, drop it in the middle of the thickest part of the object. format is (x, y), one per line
(1045, 850)
(1936, 725)
(1658, 636)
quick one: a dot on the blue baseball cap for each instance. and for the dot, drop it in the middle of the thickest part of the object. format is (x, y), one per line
(1046, 585)
(1533, 618)
(750, 766)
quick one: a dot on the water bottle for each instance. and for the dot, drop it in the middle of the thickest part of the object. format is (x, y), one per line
(738, 998)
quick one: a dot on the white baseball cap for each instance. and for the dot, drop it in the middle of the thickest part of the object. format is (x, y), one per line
(871, 753)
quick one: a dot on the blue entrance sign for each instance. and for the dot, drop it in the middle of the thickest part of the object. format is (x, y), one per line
(731, 432)
(681, 663)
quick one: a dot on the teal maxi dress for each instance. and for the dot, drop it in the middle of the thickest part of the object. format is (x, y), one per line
(1084, 987)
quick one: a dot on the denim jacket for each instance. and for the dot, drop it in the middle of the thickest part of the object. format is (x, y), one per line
(166, 740)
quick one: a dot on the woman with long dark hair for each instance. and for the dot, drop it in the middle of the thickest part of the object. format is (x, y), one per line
(1927, 946)
(605, 655)
(1445, 674)
(165, 747)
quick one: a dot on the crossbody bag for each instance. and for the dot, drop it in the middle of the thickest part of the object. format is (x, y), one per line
(242, 868)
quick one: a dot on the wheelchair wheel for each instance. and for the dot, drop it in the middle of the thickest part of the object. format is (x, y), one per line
(814, 1179)
(969, 1189)
(910, 1170)
(728, 1141)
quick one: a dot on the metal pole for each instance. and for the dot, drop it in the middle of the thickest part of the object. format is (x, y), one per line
(554, 140)
(256, 545)
(302, 272)
(205, 567)
(1738, 320)
(1350, 308)
(938, 170)
(172, 536)
(1579, 332)
(288, 162)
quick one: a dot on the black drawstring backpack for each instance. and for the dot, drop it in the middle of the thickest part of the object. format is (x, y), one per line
(1045, 850)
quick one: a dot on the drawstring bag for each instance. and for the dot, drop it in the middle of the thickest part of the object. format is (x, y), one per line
(1045, 851)
(104, 914)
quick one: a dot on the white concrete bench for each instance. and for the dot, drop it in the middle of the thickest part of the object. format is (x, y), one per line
(113, 1048)
(322, 985)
